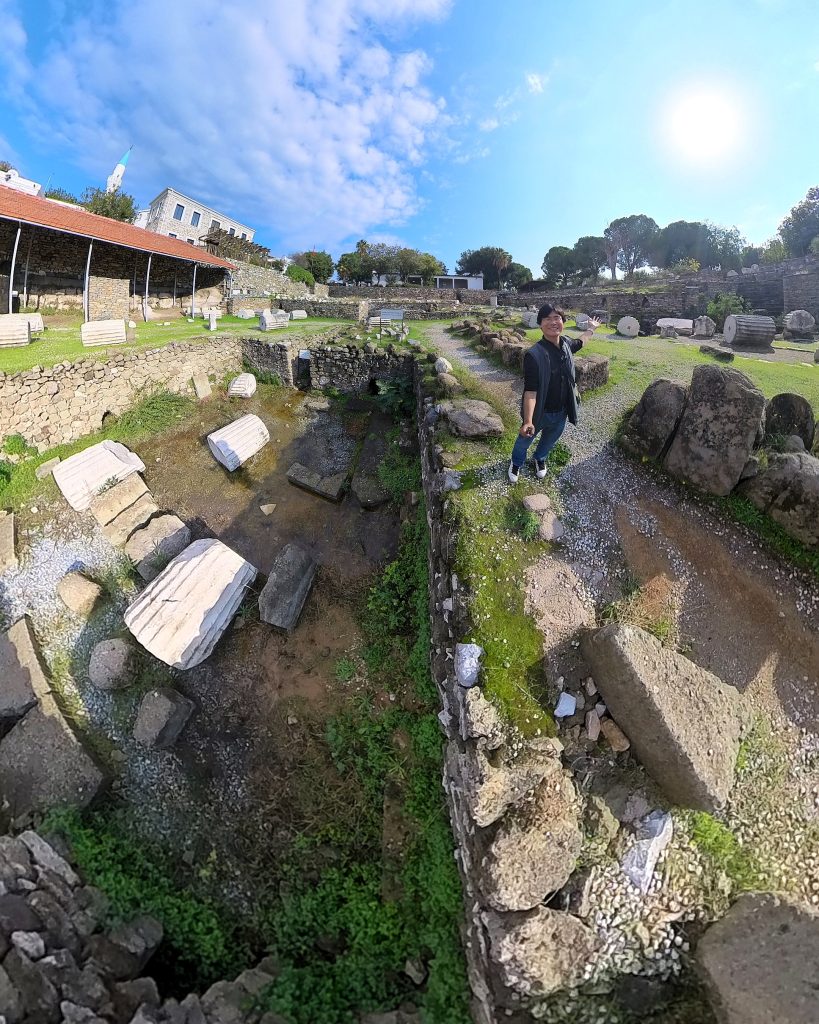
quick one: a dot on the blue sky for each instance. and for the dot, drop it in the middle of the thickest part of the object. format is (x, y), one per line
(440, 124)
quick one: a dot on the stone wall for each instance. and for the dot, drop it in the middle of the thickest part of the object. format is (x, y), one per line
(801, 291)
(399, 296)
(336, 309)
(257, 280)
(351, 369)
(254, 302)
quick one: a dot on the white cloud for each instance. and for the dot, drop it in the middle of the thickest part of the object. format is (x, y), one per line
(536, 83)
(489, 124)
(306, 119)
(816, 66)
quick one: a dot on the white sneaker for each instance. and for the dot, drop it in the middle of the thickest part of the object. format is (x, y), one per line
(513, 473)
(540, 468)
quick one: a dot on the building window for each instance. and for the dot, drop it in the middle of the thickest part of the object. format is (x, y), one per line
(195, 219)
(190, 240)
(461, 282)
(171, 234)
(244, 236)
(215, 225)
(177, 213)
(232, 232)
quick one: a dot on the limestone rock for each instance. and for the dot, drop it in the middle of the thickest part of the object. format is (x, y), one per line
(288, 586)
(535, 848)
(537, 503)
(655, 419)
(153, 545)
(684, 723)
(468, 664)
(793, 443)
(239, 441)
(119, 529)
(759, 961)
(78, 593)
(653, 836)
(538, 952)
(717, 431)
(201, 386)
(550, 529)
(628, 326)
(82, 476)
(449, 385)
(614, 735)
(668, 331)
(8, 551)
(443, 365)
(680, 325)
(591, 372)
(31, 783)
(23, 681)
(798, 325)
(106, 506)
(790, 414)
(722, 355)
(162, 716)
(479, 719)
(243, 386)
(487, 787)
(704, 327)
(468, 417)
(46, 468)
(788, 491)
(38, 996)
(180, 616)
(330, 487)
(47, 857)
(112, 664)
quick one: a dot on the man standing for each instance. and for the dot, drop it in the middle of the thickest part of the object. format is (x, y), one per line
(549, 396)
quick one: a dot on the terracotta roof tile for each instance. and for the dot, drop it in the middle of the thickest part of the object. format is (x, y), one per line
(48, 213)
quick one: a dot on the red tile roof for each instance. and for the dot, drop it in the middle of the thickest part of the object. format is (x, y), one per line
(47, 213)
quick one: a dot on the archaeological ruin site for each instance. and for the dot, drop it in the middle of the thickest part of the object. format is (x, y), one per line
(308, 716)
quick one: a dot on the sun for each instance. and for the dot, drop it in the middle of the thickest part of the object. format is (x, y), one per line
(704, 124)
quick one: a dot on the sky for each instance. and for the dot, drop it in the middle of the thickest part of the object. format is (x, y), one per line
(443, 125)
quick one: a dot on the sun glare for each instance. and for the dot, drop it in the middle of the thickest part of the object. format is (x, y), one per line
(704, 124)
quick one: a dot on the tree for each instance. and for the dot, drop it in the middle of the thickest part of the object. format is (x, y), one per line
(385, 260)
(489, 260)
(589, 255)
(517, 275)
(429, 267)
(5, 166)
(774, 251)
(320, 264)
(559, 265)
(408, 262)
(751, 254)
(801, 225)
(681, 240)
(725, 247)
(117, 205)
(635, 236)
(63, 195)
(611, 246)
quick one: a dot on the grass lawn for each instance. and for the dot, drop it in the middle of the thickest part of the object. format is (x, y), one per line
(62, 343)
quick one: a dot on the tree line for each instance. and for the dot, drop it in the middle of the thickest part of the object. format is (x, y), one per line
(630, 243)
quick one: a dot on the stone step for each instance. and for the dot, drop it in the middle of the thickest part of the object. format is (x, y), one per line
(181, 615)
(153, 545)
(330, 487)
(114, 500)
(132, 518)
(238, 441)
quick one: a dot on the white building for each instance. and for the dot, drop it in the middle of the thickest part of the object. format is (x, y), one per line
(453, 281)
(13, 179)
(178, 216)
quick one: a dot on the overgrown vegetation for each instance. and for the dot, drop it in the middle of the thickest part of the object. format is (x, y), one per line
(724, 304)
(723, 851)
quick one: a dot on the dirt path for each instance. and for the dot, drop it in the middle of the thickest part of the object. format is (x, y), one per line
(740, 612)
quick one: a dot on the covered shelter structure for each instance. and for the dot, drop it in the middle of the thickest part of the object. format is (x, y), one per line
(56, 255)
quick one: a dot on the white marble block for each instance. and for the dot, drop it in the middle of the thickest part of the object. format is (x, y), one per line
(298, 314)
(628, 326)
(238, 441)
(181, 615)
(242, 386)
(82, 476)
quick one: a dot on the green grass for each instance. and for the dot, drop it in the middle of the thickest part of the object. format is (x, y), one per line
(724, 852)
(61, 343)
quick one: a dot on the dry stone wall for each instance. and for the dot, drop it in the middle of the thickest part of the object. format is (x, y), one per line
(399, 296)
(257, 280)
(350, 368)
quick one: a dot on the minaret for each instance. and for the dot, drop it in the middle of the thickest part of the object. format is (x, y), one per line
(115, 178)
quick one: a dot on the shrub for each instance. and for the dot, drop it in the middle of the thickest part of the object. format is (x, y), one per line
(688, 265)
(296, 273)
(723, 305)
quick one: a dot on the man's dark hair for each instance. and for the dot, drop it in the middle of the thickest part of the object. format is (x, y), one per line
(547, 309)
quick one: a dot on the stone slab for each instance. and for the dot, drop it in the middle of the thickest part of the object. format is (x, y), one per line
(82, 476)
(132, 518)
(152, 546)
(330, 487)
(180, 616)
(201, 385)
(114, 500)
(46, 468)
(32, 783)
(22, 681)
(288, 586)
(161, 717)
(366, 484)
(8, 552)
(684, 723)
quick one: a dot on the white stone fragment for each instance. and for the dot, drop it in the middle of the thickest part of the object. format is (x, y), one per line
(181, 615)
(82, 476)
(443, 365)
(467, 663)
(238, 441)
(566, 705)
(47, 857)
(242, 386)
(653, 835)
(628, 326)
(298, 314)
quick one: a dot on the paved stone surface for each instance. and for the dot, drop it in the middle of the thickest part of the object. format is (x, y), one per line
(684, 723)
(118, 530)
(287, 589)
(760, 962)
(330, 487)
(154, 545)
(22, 681)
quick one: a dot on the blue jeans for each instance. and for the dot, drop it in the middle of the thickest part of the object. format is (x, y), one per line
(550, 428)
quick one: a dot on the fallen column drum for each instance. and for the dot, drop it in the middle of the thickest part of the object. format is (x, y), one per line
(238, 441)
